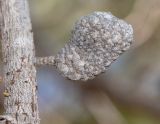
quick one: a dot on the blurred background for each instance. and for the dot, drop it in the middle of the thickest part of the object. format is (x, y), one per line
(128, 93)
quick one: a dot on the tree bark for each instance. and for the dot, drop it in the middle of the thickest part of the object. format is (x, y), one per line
(18, 64)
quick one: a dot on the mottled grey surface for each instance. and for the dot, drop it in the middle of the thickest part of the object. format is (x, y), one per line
(19, 72)
(97, 40)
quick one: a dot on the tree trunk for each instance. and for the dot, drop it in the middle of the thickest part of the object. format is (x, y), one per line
(18, 66)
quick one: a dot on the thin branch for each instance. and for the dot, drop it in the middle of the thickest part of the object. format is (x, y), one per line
(45, 60)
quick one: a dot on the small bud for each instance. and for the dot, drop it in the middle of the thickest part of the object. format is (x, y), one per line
(97, 40)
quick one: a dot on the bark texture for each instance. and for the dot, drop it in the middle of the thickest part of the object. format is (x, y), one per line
(18, 64)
